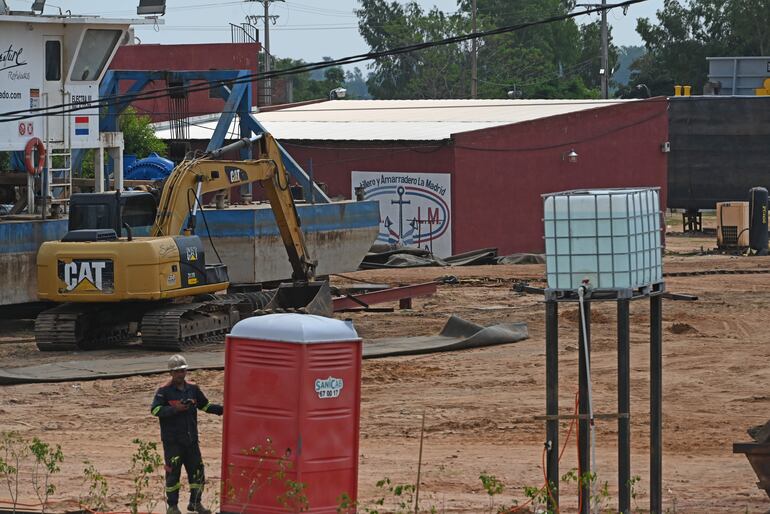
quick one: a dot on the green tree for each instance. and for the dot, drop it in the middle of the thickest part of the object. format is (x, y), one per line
(138, 135)
(305, 86)
(684, 34)
(556, 60)
(437, 72)
(355, 82)
(627, 55)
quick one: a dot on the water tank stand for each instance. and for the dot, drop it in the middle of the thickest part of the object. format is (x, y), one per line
(692, 221)
(655, 295)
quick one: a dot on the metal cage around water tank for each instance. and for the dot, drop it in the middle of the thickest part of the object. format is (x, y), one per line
(604, 238)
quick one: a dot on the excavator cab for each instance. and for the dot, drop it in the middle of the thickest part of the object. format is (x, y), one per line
(107, 216)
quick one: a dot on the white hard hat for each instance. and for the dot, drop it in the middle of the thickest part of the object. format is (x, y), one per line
(177, 362)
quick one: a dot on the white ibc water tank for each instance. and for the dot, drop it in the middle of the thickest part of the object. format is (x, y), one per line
(610, 237)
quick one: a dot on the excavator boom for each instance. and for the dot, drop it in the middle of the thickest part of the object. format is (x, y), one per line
(193, 178)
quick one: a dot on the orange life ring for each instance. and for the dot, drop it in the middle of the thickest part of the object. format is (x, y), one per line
(33, 143)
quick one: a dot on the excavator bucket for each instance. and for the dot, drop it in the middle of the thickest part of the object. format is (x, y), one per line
(307, 297)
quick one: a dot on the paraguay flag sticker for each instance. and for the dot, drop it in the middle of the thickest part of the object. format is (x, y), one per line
(81, 125)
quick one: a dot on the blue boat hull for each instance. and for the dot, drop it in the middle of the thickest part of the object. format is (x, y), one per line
(338, 236)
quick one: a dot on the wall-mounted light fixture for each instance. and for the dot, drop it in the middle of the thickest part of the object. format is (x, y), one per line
(38, 6)
(571, 156)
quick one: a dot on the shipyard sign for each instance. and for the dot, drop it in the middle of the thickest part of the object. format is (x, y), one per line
(415, 208)
(11, 57)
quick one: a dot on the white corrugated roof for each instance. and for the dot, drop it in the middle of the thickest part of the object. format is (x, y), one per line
(412, 120)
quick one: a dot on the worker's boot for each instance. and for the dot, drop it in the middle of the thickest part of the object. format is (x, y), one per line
(173, 509)
(197, 508)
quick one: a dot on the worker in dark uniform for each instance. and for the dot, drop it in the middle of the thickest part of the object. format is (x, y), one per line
(176, 405)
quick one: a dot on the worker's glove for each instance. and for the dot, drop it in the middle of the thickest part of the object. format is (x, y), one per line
(217, 409)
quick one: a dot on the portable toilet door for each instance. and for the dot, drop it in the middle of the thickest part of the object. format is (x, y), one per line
(53, 89)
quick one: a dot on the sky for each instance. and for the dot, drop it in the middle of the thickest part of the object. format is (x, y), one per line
(305, 29)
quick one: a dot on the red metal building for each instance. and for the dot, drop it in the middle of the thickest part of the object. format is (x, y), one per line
(496, 157)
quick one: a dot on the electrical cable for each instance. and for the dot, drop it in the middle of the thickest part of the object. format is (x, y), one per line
(203, 215)
(208, 231)
(207, 85)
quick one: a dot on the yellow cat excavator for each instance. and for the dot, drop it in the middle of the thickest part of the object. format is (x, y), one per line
(114, 283)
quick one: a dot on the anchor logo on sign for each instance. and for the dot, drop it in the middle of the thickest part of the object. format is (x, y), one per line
(400, 202)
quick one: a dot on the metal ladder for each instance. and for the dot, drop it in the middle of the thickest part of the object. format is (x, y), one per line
(59, 176)
(59, 164)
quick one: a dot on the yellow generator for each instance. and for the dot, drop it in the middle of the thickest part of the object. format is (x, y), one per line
(732, 225)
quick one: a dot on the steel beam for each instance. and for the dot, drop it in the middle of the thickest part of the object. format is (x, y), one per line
(624, 407)
(552, 400)
(656, 405)
(386, 295)
(584, 439)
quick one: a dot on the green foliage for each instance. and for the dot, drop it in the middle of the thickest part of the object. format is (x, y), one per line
(394, 499)
(345, 504)
(305, 87)
(632, 483)
(138, 135)
(13, 451)
(5, 161)
(255, 477)
(557, 60)
(685, 33)
(601, 497)
(98, 489)
(538, 496)
(294, 497)
(48, 461)
(492, 485)
(145, 463)
(627, 55)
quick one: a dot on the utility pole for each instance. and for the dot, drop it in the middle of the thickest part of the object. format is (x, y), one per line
(605, 53)
(474, 69)
(267, 18)
(604, 71)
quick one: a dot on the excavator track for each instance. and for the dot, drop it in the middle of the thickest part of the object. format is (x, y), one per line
(71, 327)
(177, 327)
(169, 327)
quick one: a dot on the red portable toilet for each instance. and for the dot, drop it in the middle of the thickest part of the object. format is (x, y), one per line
(292, 403)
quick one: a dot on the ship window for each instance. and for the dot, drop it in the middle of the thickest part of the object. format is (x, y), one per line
(95, 50)
(53, 60)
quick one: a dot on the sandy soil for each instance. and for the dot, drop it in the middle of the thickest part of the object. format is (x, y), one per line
(480, 405)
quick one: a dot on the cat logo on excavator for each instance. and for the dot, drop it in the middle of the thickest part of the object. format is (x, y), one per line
(87, 275)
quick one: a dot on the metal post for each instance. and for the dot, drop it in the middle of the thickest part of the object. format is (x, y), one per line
(552, 398)
(605, 53)
(584, 439)
(656, 404)
(474, 57)
(624, 408)
(267, 82)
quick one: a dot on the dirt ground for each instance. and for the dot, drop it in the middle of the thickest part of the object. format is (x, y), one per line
(480, 405)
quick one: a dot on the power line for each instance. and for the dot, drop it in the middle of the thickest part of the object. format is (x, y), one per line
(162, 92)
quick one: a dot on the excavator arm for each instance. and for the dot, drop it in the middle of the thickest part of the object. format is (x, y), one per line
(192, 178)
